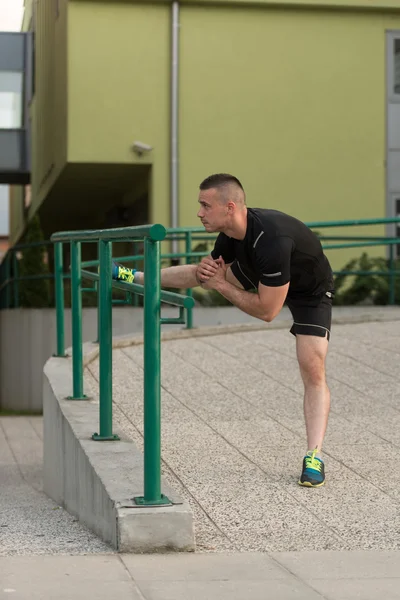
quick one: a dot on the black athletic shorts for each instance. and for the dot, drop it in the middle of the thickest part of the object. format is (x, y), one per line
(312, 315)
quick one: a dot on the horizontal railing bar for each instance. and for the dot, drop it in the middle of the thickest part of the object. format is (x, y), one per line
(371, 272)
(155, 232)
(354, 238)
(166, 297)
(184, 255)
(181, 230)
(173, 321)
(174, 299)
(354, 223)
(122, 285)
(361, 244)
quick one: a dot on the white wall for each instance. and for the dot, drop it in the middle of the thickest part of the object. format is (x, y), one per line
(28, 339)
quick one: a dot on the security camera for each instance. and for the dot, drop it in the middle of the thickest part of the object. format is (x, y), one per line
(140, 147)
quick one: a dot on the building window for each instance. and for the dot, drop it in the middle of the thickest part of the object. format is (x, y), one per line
(32, 29)
(33, 65)
(11, 86)
(396, 63)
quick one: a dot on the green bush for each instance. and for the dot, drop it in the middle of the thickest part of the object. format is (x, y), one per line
(372, 288)
(34, 293)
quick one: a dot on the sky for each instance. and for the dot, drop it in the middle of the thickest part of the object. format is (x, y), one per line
(11, 15)
(10, 20)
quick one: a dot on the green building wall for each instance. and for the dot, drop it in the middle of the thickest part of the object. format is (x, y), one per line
(49, 105)
(118, 91)
(288, 96)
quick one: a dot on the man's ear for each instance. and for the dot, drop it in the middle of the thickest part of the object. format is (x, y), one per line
(231, 207)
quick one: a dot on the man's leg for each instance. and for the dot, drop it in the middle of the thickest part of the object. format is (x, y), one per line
(311, 355)
(183, 276)
(180, 277)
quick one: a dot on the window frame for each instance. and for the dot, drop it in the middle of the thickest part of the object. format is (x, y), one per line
(392, 37)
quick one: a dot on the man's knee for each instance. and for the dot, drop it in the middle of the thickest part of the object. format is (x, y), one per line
(313, 373)
(312, 366)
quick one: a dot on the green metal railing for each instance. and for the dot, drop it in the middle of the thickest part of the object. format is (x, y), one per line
(153, 296)
(10, 278)
(103, 285)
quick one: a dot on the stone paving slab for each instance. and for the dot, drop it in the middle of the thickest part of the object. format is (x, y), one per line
(229, 576)
(65, 578)
(31, 523)
(347, 575)
(233, 437)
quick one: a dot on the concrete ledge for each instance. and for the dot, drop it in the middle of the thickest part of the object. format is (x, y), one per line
(96, 481)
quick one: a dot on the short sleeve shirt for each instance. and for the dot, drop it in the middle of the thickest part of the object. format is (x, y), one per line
(278, 249)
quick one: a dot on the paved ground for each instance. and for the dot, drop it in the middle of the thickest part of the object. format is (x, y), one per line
(281, 576)
(233, 438)
(232, 444)
(31, 523)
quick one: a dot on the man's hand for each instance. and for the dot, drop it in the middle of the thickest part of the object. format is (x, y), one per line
(212, 283)
(206, 269)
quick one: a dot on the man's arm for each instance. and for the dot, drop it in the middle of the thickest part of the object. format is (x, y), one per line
(189, 276)
(264, 305)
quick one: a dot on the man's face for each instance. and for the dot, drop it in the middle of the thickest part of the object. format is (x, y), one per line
(213, 213)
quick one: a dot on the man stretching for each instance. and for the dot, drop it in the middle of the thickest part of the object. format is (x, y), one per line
(283, 260)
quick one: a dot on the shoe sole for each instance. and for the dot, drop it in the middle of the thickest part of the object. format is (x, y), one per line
(308, 484)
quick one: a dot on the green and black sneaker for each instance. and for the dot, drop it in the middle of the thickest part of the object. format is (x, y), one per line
(123, 273)
(313, 474)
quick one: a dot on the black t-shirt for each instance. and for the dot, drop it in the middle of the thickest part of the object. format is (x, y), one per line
(278, 249)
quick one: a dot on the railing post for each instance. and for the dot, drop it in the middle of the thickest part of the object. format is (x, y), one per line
(152, 376)
(8, 277)
(76, 308)
(105, 343)
(392, 281)
(98, 298)
(59, 283)
(15, 278)
(135, 299)
(189, 291)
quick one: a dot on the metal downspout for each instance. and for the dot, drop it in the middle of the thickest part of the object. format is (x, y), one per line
(174, 122)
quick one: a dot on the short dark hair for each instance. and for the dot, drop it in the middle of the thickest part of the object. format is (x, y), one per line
(219, 180)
